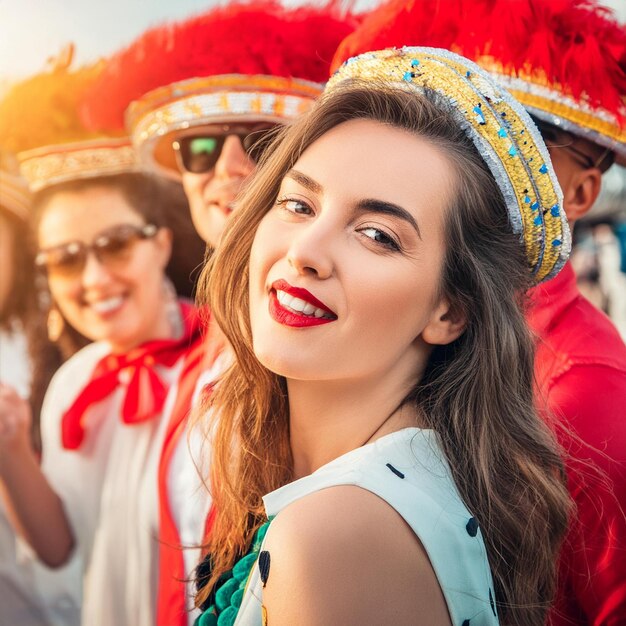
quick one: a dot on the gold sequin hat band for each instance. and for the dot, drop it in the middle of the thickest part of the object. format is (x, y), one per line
(551, 104)
(14, 194)
(502, 132)
(60, 163)
(156, 118)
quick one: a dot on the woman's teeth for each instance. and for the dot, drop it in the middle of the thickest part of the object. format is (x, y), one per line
(300, 306)
(105, 306)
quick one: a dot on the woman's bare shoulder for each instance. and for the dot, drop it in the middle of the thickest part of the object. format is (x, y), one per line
(342, 555)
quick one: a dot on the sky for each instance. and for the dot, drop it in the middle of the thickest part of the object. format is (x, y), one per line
(31, 31)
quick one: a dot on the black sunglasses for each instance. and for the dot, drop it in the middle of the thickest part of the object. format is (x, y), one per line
(559, 138)
(199, 153)
(112, 248)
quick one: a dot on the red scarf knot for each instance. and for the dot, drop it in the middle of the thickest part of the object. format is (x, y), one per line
(145, 392)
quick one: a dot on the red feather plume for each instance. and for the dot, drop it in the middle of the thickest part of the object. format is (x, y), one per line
(577, 45)
(258, 37)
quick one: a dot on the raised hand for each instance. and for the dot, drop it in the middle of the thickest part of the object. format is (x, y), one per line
(15, 423)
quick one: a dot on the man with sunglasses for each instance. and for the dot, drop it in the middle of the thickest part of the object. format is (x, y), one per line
(214, 162)
(581, 378)
(581, 359)
(205, 94)
(208, 93)
(566, 62)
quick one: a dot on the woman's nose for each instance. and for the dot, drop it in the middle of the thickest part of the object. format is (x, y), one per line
(233, 161)
(95, 273)
(311, 250)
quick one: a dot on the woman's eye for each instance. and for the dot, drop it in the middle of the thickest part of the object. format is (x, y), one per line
(294, 206)
(380, 237)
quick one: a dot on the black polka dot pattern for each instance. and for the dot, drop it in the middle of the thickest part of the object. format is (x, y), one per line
(264, 566)
(397, 472)
(492, 604)
(472, 527)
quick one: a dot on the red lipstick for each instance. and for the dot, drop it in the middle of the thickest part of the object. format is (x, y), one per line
(292, 318)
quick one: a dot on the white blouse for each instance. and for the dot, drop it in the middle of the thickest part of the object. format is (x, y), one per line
(188, 492)
(408, 470)
(110, 493)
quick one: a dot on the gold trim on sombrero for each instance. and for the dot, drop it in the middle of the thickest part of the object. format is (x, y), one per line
(14, 194)
(51, 165)
(550, 103)
(208, 100)
(500, 129)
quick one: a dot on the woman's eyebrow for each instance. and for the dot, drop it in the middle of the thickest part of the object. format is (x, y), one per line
(305, 181)
(371, 205)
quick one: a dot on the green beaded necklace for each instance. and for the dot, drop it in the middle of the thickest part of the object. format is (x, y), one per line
(232, 585)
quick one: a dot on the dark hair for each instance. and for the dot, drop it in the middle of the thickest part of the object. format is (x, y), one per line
(45, 356)
(477, 393)
(21, 291)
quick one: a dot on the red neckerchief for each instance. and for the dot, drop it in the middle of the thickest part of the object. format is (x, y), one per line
(145, 391)
(172, 591)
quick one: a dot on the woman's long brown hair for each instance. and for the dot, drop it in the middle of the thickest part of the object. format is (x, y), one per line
(477, 393)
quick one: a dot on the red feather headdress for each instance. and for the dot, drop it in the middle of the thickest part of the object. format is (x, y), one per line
(565, 60)
(243, 61)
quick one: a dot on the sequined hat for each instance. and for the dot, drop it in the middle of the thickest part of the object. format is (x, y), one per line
(64, 162)
(564, 60)
(40, 122)
(501, 130)
(246, 62)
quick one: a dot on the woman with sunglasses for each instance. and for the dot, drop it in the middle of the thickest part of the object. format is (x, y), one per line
(381, 461)
(106, 408)
(104, 246)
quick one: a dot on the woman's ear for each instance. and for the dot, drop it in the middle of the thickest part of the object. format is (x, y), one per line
(163, 240)
(445, 325)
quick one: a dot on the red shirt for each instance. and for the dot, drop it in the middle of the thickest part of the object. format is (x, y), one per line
(581, 376)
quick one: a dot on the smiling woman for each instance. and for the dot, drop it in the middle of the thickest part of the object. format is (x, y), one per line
(104, 248)
(337, 213)
(376, 439)
(104, 253)
(112, 292)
